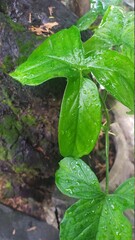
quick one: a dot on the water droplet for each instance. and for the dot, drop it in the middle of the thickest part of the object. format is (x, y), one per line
(69, 191)
(84, 91)
(105, 211)
(112, 206)
(117, 233)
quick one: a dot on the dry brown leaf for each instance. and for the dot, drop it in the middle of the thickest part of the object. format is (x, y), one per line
(44, 29)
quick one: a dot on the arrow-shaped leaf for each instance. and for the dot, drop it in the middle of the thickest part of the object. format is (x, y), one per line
(58, 56)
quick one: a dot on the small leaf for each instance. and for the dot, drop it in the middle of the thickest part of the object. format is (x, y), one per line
(111, 25)
(80, 118)
(116, 73)
(75, 179)
(58, 56)
(116, 31)
(125, 193)
(97, 8)
(85, 21)
(96, 219)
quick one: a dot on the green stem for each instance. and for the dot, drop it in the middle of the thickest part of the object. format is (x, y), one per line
(107, 126)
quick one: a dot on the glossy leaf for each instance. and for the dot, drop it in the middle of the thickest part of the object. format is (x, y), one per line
(116, 73)
(102, 5)
(125, 193)
(95, 45)
(111, 25)
(58, 56)
(97, 8)
(127, 37)
(96, 219)
(115, 31)
(80, 118)
(75, 179)
(85, 21)
(97, 216)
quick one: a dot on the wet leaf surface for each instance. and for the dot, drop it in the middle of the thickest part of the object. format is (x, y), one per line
(96, 219)
(115, 72)
(75, 179)
(80, 118)
(97, 215)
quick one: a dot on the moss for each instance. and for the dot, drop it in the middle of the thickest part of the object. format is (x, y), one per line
(8, 185)
(22, 168)
(25, 41)
(7, 64)
(3, 6)
(8, 190)
(8, 102)
(26, 45)
(29, 119)
(15, 26)
(3, 153)
(8, 130)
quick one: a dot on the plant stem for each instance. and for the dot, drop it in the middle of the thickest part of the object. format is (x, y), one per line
(107, 126)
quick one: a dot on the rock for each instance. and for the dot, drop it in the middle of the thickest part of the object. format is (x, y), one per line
(29, 151)
(16, 225)
(38, 12)
(79, 7)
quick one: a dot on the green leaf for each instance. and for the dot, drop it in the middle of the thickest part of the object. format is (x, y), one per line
(97, 215)
(111, 25)
(80, 118)
(116, 73)
(86, 20)
(96, 220)
(107, 3)
(97, 8)
(58, 56)
(75, 179)
(127, 36)
(95, 45)
(116, 31)
(125, 193)
(62, 55)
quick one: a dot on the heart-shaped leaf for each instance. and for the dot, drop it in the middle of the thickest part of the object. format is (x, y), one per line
(80, 118)
(75, 179)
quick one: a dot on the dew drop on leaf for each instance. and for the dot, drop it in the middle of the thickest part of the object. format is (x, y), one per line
(112, 206)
